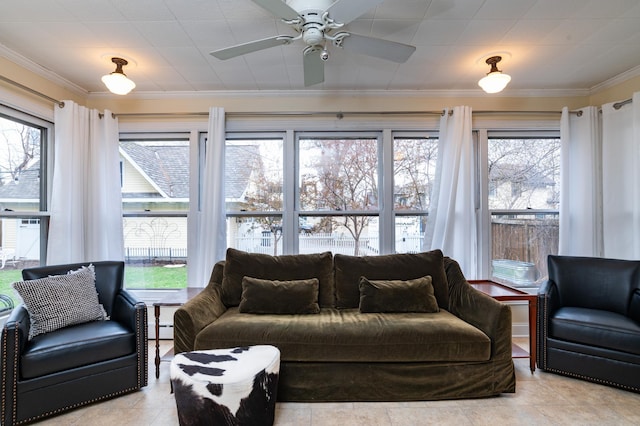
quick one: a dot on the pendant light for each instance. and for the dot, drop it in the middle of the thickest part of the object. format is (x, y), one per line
(117, 82)
(495, 80)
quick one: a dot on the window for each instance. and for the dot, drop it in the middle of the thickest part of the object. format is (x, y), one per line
(340, 202)
(329, 197)
(254, 194)
(523, 198)
(24, 142)
(155, 203)
(414, 168)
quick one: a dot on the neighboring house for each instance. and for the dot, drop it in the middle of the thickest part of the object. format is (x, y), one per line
(510, 187)
(155, 177)
(21, 237)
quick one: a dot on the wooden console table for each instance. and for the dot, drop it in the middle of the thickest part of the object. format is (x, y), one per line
(505, 293)
(177, 298)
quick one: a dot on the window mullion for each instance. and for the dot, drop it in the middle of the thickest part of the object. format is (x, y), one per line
(290, 195)
(387, 220)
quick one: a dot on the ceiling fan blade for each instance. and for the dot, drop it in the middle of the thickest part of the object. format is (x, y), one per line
(345, 11)
(313, 68)
(383, 49)
(252, 46)
(278, 8)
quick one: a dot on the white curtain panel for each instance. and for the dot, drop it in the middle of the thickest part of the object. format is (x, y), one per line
(86, 203)
(621, 179)
(581, 177)
(452, 222)
(210, 218)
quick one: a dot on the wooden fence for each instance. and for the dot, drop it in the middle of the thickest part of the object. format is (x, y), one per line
(526, 238)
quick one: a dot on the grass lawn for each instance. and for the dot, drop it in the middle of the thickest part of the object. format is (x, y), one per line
(136, 277)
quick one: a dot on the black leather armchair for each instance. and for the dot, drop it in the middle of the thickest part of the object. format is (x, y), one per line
(76, 365)
(589, 320)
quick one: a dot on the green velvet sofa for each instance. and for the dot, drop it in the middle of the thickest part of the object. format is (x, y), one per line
(356, 328)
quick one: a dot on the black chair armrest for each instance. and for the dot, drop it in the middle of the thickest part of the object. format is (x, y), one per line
(634, 306)
(131, 312)
(15, 334)
(124, 309)
(18, 325)
(548, 303)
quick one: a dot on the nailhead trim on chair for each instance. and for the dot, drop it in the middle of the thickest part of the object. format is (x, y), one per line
(15, 372)
(545, 316)
(80, 404)
(594, 379)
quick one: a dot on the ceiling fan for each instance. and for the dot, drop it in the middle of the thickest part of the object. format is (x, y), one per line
(318, 23)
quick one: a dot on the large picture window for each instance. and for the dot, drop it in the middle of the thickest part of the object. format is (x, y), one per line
(155, 203)
(523, 198)
(330, 196)
(24, 144)
(254, 192)
(414, 168)
(339, 193)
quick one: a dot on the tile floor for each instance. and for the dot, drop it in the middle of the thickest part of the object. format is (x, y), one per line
(540, 399)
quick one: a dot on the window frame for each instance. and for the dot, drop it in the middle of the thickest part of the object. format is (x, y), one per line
(168, 136)
(541, 130)
(46, 169)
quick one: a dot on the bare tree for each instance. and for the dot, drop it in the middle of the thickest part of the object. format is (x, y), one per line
(20, 147)
(414, 170)
(264, 193)
(523, 173)
(344, 178)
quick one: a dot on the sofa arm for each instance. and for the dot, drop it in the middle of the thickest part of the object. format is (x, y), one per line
(480, 310)
(196, 314)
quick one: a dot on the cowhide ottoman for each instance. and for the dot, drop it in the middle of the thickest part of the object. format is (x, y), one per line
(234, 386)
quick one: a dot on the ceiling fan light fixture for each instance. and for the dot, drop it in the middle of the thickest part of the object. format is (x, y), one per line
(117, 82)
(495, 80)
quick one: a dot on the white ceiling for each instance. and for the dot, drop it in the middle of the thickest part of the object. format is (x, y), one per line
(545, 44)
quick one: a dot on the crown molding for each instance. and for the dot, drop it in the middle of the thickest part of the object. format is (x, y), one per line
(41, 71)
(475, 93)
(618, 79)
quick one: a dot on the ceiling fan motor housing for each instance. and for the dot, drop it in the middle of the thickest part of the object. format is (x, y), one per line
(313, 25)
(301, 6)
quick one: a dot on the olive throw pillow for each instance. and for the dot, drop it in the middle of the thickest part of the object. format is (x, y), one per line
(397, 295)
(400, 266)
(279, 297)
(239, 264)
(59, 301)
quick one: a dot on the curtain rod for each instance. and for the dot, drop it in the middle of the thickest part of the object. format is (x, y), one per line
(620, 104)
(32, 91)
(338, 115)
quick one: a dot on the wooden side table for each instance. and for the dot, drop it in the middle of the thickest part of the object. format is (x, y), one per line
(177, 298)
(505, 293)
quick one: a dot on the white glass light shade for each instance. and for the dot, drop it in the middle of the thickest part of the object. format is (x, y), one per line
(494, 82)
(118, 83)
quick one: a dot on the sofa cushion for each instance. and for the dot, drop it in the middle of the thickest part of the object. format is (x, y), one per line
(60, 300)
(594, 327)
(76, 346)
(239, 264)
(279, 297)
(397, 295)
(346, 335)
(403, 266)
